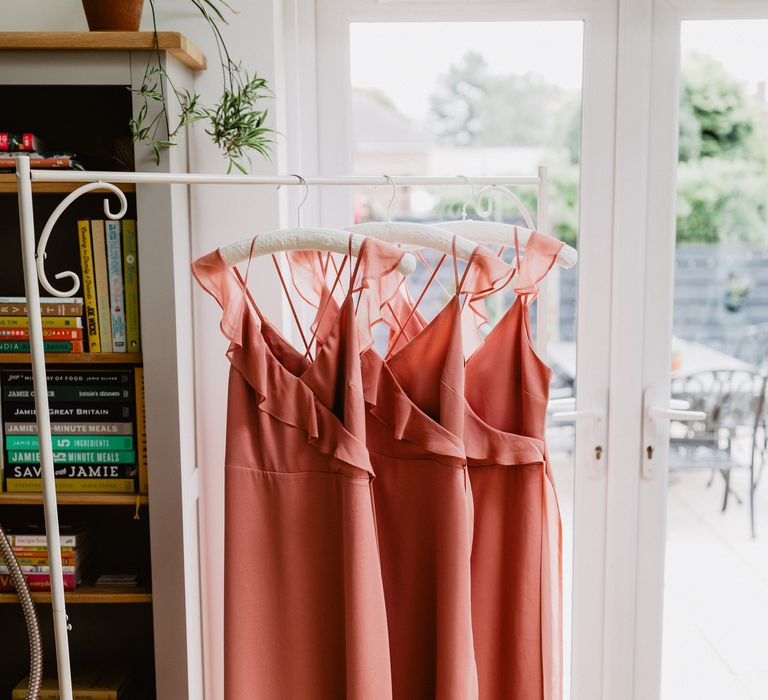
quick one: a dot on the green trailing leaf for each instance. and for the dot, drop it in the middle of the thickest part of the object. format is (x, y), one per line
(234, 123)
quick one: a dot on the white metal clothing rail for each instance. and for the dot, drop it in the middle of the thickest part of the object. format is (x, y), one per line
(34, 273)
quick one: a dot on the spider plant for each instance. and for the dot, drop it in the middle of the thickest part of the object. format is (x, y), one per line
(235, 123)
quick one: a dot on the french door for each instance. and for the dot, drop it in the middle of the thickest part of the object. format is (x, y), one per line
(703, 598)
(355, 117)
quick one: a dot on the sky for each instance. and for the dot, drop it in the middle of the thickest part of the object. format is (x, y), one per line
(425, 50)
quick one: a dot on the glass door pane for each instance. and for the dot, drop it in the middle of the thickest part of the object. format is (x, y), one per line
(716, 579)
(480, 98)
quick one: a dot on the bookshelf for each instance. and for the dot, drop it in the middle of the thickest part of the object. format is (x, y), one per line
(89, 594)
(157, 625)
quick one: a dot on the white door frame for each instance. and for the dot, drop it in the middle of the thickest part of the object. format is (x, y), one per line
(325, 93)
(662, 145)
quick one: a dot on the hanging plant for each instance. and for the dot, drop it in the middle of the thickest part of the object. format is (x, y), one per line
(235, 123)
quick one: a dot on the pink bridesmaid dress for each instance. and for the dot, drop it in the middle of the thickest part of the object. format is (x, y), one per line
(422, 493)
(516, 549)
(305, 615)
(516, 552)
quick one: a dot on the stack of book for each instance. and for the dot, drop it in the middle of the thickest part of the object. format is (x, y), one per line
(30, 546)
(110, 275)
(40, 156)
(62, 324)
(101, 684)
(97, 426)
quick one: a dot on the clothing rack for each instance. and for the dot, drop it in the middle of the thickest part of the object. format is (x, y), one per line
(34, 274)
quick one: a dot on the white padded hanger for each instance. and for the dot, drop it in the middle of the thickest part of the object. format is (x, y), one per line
(497, 232)
(415, 235)
(302, 238)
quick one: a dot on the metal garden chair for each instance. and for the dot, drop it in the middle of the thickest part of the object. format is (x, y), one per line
(732, 434)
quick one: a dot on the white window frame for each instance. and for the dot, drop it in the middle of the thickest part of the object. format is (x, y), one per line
(319, 102)
(663, 74)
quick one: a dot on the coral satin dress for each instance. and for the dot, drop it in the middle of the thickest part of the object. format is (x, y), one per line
(305, 615)
(516, 549)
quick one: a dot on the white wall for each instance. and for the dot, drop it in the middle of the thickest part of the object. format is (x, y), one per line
(219, 215)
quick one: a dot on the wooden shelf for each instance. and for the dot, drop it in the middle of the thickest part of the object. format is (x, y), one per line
(8, 186)
(174, 43)
(91, 594)
(76, 358)
(75, 499)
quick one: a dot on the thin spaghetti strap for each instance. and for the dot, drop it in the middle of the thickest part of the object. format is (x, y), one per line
(456, 265)
(322, 311)
(415, 306)
(290, 303)
(517, 251)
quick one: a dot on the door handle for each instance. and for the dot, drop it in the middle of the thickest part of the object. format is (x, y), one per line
(565, 411)
(677, 410)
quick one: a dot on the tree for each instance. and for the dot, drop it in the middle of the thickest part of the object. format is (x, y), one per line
(472, 107)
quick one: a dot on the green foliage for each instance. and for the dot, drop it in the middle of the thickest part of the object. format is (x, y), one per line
(722, 201)
(472, 107)
(235, 124)
(718, 119)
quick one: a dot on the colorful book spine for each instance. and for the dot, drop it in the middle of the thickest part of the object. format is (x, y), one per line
(69, 393)
(17, 306)
(63, 428)
(102, 284)
(73, 471)
(111, 412)
(79, 377)
(141, 431)
(131, 274)
(48, 322)
(48, 334)
(115, 272)
(89, 285)
(75, 457)
(39, 161)
(63, 442)
(38, 582)
(38, 568)
(63, 346)
(10, 141)
(73, 485)
(25, 541)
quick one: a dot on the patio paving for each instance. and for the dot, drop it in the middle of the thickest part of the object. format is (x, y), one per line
(716, 607)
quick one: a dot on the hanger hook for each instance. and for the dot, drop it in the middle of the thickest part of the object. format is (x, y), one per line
(303, 199)
(468, 180)
(391, 182)
(485, 212)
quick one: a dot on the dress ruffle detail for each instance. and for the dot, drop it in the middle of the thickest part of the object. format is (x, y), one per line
(281, 394)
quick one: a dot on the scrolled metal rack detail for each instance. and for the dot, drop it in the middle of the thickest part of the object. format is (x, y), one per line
(53, 219)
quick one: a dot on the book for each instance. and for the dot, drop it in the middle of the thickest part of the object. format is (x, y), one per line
(75, 457)
(48, 334)
(48, 322)
(80, 377)
(111, 412)
(89, 285)
(39, 160)
(63, 346)
(70, 535)
(101, 277)
(117, 580)
(38, 569)
(131, 275)
(141, 431)
(38, 582)
(73, 485)
(20, 142)
(64, 442)
(58, 394)
(95, 685)
(72, 471)
(49, 306)
(115, 272)
(39, 558)
(30, 428)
